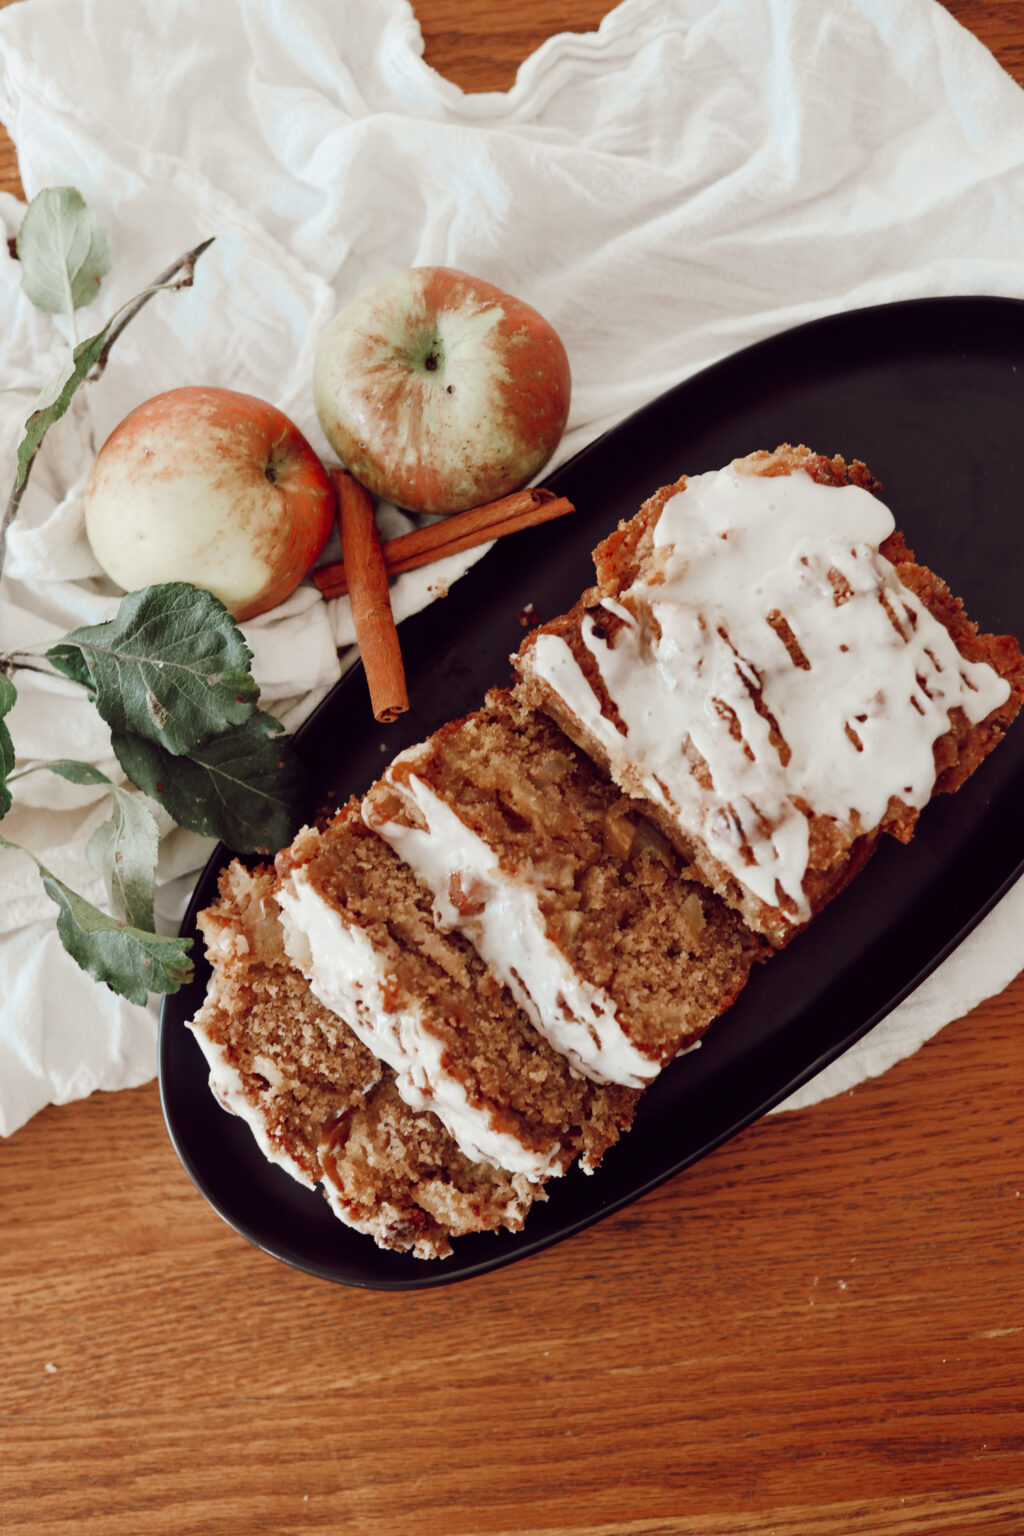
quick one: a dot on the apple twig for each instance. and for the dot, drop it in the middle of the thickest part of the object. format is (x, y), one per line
(89, 359)
(186, 265)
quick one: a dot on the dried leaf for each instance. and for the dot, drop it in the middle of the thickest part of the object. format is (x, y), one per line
(50, 407)
(125, 850)
(64, 251)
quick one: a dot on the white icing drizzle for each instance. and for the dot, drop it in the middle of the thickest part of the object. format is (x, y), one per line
(350, 977)
(859, 710)
(579, 1019)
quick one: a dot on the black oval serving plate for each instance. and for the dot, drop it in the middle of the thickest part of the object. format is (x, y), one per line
(930, 393)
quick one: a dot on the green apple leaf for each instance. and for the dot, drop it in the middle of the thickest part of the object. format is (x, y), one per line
(55, 400)
(65, 768)
(244, 786)
(171, 666)
(73, 664)
(75, 772)
(129, 960)
(8, 694)
(125, 850)
(64, 251)
(132, 962)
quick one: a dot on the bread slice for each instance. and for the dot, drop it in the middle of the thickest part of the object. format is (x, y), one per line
(360, 926)
(765, 668)
(320, 1104)
(572, 898)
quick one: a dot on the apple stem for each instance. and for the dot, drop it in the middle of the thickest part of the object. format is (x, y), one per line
(16, 661)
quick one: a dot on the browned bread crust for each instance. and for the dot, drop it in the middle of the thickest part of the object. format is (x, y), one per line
(835, 856)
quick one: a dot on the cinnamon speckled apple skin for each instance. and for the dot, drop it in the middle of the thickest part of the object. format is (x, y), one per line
(438, 391)
(212, 487)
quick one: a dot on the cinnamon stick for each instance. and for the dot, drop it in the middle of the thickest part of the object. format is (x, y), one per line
(464, 530)
(371, 605)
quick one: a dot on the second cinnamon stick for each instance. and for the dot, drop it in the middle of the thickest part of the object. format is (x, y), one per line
(465, 530)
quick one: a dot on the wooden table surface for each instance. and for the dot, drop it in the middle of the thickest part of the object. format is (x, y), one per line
(817, 1331)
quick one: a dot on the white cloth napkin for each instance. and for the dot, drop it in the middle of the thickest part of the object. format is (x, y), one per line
(695, 175)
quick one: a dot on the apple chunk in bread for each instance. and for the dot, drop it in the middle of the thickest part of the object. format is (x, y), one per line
(439, 391)
(212, 487)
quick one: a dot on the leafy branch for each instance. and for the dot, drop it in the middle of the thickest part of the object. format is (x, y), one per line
(170, 674)
(64, 254)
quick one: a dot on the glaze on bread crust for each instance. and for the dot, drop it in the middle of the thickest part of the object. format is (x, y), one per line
(610, 645)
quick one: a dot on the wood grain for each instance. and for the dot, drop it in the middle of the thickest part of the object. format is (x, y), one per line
(817, 1331)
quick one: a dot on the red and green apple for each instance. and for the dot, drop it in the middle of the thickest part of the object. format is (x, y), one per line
(212, 487)
(438, 391)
